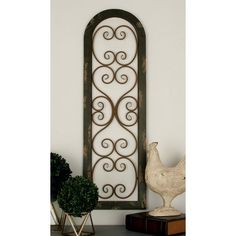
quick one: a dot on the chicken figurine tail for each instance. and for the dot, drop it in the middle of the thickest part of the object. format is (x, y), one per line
(168, 182)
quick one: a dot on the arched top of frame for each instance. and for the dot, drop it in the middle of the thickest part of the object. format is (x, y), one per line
(115, 13)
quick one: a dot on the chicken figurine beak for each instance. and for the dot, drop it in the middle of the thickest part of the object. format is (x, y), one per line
(153, 145)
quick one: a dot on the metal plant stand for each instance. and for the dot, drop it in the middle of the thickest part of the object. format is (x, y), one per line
(78, 231)
(57, 220)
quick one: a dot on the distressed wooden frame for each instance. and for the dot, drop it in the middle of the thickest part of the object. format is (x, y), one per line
(87, 150)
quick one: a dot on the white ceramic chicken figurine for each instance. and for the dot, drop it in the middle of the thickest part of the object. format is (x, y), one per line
(169, 182)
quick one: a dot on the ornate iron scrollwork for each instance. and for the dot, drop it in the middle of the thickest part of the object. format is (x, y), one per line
(110, 153)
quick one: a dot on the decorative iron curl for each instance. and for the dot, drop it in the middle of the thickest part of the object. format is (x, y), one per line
(105, 144)
(110, 146)
(118, 188)
(110, 56)
(106, 78)
(131, 115)
(98, 114)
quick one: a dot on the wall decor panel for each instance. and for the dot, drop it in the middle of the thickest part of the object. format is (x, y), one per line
(115, 109)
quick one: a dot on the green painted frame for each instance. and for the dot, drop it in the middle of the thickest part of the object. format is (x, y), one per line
(87, 148)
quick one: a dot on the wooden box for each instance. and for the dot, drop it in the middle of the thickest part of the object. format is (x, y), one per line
(163, 226)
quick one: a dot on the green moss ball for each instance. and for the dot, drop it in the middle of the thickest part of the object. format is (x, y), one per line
(78, 195)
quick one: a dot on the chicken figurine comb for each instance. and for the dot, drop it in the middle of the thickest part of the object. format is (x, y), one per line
(168, 182)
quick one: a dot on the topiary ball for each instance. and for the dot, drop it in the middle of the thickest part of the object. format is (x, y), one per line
(60, 172)
(78, 195)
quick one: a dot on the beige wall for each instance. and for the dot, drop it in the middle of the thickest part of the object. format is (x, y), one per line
(164, 23)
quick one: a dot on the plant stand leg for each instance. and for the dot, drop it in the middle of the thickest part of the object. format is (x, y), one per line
(63, 223)
(90, 216)
(72, 224)
(55, 218)
(62, 218)
(54, 214)
(76, 230)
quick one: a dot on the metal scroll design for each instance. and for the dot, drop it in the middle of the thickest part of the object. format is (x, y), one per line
(115, 67)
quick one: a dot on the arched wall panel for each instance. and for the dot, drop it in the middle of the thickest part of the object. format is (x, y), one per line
(115, 109)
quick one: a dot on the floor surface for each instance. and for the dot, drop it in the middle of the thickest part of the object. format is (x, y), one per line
(116, 230)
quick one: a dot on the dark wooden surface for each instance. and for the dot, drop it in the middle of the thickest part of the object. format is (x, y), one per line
(111, 230)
